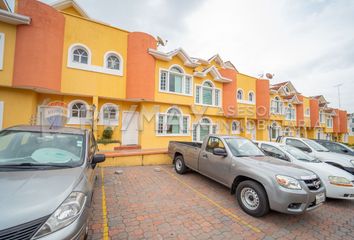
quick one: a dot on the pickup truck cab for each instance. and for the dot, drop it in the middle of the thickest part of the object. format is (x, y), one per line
(318, 151)
(260, 182)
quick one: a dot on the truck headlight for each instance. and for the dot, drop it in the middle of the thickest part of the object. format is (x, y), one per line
(340, 181)
(288, 182)
(65, 214)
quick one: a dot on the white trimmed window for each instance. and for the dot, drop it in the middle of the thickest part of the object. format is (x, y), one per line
(290, 113)
(235, 127)
(240, 94)
(78, 112)
(329, 122)
(287, 132)
(80, 55)
(202, 129)
(109, 114)
(322, 117)
(113, 61)
(2, 50)
(173, 122)
(251, 97)
(275, 130)
(276, 106)
(207, 94)
(176, 81)
(307, 112)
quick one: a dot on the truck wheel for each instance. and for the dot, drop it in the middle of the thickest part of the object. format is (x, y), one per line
(252, 198)
(180, 167)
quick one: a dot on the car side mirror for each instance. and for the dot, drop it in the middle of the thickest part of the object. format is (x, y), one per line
(220, 152)
(98, 158)
(345, 150)
(306, 149)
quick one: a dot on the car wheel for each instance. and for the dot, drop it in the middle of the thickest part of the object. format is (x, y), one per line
(252, 198)
(180, 167)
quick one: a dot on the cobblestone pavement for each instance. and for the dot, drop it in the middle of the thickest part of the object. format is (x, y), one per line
(143, 203)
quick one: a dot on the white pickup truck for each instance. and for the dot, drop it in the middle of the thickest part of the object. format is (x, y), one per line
(260, 182)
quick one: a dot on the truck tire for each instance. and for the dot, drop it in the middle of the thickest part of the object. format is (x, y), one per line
(252, 198)
(180, 167)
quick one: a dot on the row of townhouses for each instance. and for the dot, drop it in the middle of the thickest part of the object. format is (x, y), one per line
(57, 57)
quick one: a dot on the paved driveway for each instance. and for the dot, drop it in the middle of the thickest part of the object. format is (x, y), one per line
(142, 203)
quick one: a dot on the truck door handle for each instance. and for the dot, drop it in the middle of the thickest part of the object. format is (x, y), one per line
(205, 156)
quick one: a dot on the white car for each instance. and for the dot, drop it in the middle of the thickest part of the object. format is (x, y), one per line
(338, 183)
(318, 151)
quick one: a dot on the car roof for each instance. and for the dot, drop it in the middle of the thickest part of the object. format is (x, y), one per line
(37, 128)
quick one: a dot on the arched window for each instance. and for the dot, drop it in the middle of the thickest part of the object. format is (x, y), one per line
(113, 62)
(287, 132)
(274, 130)
(235, 127)
(239, 94)
(109, 114)
(290, 113)
(78, 110)
(175, 80)
(203, 128)
(251, 97)
(173, 122)
(208, 94)
(276, 106)
(79, 54)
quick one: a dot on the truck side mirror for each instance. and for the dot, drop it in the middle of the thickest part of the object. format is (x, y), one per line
(98, 158)
(220, 152)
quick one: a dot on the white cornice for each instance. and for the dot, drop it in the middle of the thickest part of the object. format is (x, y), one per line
(188, 61)
(13, 18)
(215, 73)
(62, 4)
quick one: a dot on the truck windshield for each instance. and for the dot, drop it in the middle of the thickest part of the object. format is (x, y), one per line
(243, 148)
(318, 147)
(33, 149)
(298, 154)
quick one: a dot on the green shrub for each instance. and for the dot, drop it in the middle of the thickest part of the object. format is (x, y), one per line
(107, 133)
(108, 141)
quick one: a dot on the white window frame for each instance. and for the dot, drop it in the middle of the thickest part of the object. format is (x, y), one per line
(242, 95)
(214, 89)
(165, 116)
(290, 113)
(2, 50)
(89, 67)
(109, 122)
(279, 105)
(329, 122)
(184, 76)
(196, 127)
(322, 117)
(121, 63)
(278, 130)
(307, 112)
(78, 120)
(238, 128)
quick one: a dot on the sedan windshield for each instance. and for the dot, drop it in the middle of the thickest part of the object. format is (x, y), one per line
(298, 154)
(33, 149)
(243, 148)
(318, 147)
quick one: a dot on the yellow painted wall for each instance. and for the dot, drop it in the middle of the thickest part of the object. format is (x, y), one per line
(19, 106)
(100, 39)
(247, 84)
(6, 74)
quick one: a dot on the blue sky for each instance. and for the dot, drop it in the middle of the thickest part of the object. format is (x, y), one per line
(308, 42)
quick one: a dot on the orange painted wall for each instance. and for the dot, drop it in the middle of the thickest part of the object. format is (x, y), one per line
(140, 66)
(262, 98)
(229, 92)
(300, 111)
(343, 128)
(39, 47)
(336, 122)
(314, 112)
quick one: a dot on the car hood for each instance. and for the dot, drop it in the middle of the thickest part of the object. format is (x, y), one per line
(339, 158)
(324, 170)
(31, 194)
(277, 166)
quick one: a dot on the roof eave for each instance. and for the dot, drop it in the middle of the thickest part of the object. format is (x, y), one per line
(13, 18)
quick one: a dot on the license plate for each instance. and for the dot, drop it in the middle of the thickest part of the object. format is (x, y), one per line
(320, 198)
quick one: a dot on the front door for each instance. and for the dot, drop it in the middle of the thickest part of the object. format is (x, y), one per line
(130, 128)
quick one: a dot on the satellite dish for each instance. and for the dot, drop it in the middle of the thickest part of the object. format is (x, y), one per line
(269, 76)
(160, 41)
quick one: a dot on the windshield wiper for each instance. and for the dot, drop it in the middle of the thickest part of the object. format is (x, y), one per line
(30, 165)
